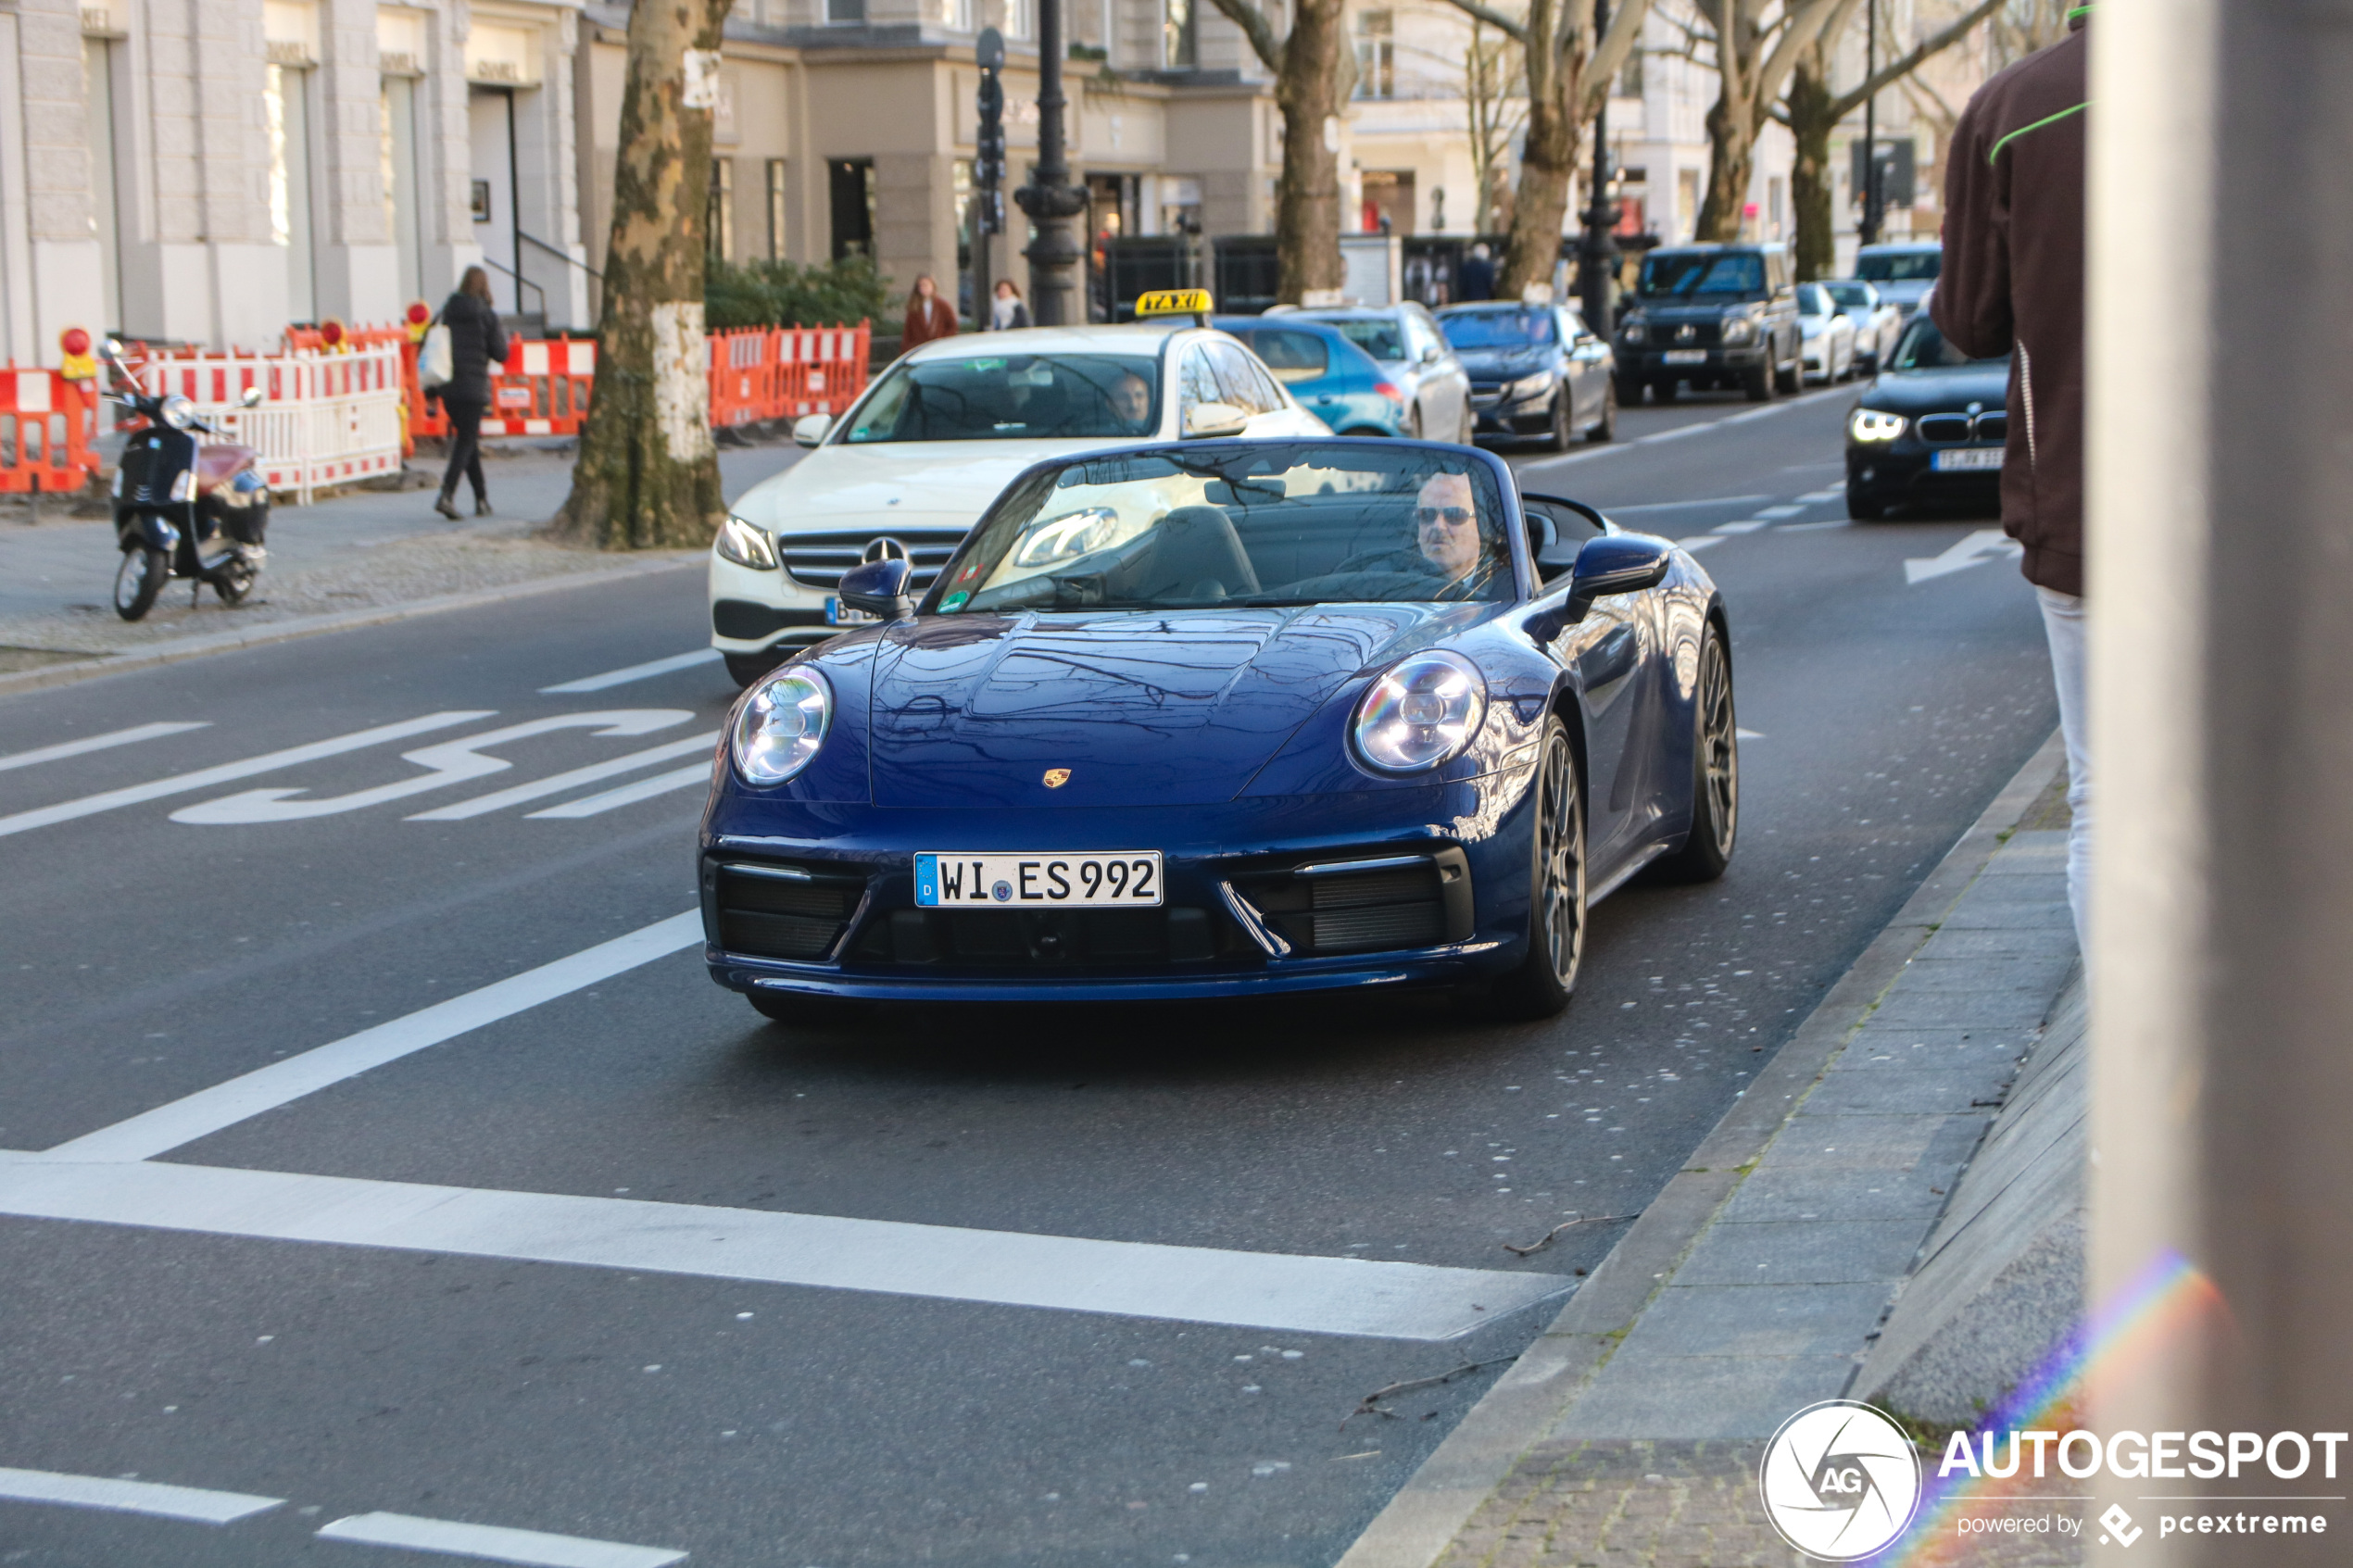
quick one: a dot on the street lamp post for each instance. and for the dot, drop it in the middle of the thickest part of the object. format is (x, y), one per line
(1049, 198)
(1601, 213)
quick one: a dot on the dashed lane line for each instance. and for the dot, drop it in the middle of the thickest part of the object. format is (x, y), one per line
(1781, 511)
(1699, 541)
(1749, 525)
(1727, 501)
(97, 743)
(493, 1543)
(1198, 1284)
(1679, 432)
(205, 778)
(645, 672)
(192, 1503)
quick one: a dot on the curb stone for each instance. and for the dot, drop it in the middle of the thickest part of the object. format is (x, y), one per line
(1529, 1401)
(158, 654)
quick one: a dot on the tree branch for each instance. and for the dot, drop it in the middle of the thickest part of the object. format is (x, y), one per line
(1616, 45)
(1257, 28)
(1894, 71)
(1803, 26)
(1515, 31)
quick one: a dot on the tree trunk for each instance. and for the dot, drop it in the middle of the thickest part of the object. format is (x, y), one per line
(1813, 113)
(648, 474)
(1308, 84)
(1731, 144)
(1547, 163)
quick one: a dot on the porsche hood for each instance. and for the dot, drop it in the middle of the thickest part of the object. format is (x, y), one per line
(1141, 708)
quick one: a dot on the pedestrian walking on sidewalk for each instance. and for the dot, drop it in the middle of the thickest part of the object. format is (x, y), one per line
(1010, 312)
(2012, 281)
(1476, 278)
(476, 343)
(928, 316)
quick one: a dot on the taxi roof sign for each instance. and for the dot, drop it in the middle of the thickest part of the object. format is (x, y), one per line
(1174, 302)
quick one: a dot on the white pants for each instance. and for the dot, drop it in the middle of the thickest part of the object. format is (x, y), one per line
(2063, 624)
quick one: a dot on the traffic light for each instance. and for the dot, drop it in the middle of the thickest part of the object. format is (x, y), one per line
(988, 164)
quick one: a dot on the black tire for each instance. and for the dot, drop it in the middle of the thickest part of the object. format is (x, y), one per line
(1863, 507)
(744, 667)
(1759, 384)
(1716, 771)
(1541, 987)
(1792, 380)
(1606, 428)
(138, 580)
(808, 1013)
(233, 579)
(1564, 430)
(1666, 391)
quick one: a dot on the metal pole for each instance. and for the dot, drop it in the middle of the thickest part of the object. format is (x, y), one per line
(1869, 228)
(1049, 199)
(1601, 213)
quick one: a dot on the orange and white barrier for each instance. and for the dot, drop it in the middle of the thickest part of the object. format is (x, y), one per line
(47, 423)
(327, 417)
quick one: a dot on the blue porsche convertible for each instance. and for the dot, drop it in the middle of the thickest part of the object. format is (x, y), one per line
(1229, 719)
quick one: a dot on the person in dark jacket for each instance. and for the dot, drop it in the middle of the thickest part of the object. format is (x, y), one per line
(476, 343)
(2012, 283)
(1476, 278)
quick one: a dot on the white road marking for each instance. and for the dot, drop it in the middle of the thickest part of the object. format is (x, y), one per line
(450, 762)
(1699, 541)
(132, 1497)
(1748, 734)
(1258, 1290)
(556, 784)
(205, 778)
(1810, 527)
(224, 1105)
(493, 1544)
(1676, 434)
(1976, 550)
(97, 743)
(1726, 501)
(1780, 511)
(1830, 493)
(1748, 526)
(633, 672)
(629, 794)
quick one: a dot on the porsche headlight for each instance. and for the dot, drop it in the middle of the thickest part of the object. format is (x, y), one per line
(781, 725)
(1739, 328)
(1537, 385)
(178, 413)
(1423, 712)
(1875, 424)
(746, 545)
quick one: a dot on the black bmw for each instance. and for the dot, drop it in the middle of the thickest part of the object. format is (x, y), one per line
(1929, 430)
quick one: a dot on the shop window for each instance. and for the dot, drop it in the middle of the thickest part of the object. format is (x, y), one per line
(1179, 35)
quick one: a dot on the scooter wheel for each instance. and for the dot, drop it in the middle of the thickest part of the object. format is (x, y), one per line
(138, 580)
(234, 580)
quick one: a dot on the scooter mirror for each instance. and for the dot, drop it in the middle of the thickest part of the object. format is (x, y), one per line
(111, 350)
(249, 398)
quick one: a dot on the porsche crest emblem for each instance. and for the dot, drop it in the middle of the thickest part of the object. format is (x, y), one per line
(1057, 777)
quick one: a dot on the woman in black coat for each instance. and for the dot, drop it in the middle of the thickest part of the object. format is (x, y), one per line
(476, 344)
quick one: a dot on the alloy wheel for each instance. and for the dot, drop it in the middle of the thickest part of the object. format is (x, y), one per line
(1718, 743)
(1560, 861)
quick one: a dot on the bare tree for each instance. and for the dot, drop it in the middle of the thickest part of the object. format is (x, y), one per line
(1568, 70)
(648, 474)
(1755, 45)
(1812, 111)
(1492, 71)
(1314, 72)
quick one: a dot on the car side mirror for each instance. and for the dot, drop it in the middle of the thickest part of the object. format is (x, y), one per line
(809, 429)
(1432, 354)
(1618, 563)
(1215, 419)
(878, 587)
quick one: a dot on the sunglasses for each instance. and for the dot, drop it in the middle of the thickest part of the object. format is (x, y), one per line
(1453, 517)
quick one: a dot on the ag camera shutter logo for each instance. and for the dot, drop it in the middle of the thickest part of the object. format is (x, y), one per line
(1840, 1481)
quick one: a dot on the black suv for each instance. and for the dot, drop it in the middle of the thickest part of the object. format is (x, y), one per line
(1713, 316)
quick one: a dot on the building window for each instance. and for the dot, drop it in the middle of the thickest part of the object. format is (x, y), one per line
(1375, 55)
(1179, 40)
(777, 208)
(720, 235)
(287, 111)
(845, 13)
(850, 187)
(1630, 76)
(1021, 18)
(402, 181)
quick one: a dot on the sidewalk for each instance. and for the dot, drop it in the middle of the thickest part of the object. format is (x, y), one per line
(1760, 1278)
(360, 550)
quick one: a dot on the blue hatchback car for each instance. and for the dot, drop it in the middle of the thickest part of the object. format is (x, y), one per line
(1333, 379)
(1229, 719)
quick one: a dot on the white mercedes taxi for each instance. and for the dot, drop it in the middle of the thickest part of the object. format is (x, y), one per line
(907, 469)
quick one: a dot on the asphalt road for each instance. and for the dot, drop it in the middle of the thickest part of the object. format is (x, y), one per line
(369, 1334)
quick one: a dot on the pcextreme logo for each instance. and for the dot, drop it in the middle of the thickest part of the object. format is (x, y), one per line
(1840, 1481)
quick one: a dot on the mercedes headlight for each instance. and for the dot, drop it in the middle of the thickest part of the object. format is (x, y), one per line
(746, 545)
(1537, 385)
(178, 413)
(781, 725)
(1634, 332)
(1739, 328)
(1424, 710)
(1874, 425)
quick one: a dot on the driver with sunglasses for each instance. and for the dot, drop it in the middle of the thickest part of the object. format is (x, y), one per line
(1450, 558)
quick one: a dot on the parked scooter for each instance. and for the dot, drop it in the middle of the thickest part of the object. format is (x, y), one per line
(173, 497)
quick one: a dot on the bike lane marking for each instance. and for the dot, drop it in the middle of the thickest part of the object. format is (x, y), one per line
(629, 794)
(205, 778)
(556, 784)
(98, 743)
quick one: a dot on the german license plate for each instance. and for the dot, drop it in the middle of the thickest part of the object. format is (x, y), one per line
(1966, 458)
(840, 614)
(1126, 879)
(1685, 356)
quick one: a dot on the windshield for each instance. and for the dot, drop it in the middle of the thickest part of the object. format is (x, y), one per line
(1813, 299)
(1850, 294)
(1279, 524)
(1497, 329)
(1702, 272)
(1012, 397)
(1900, 267)
(1922, 347)
(1378, 337)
